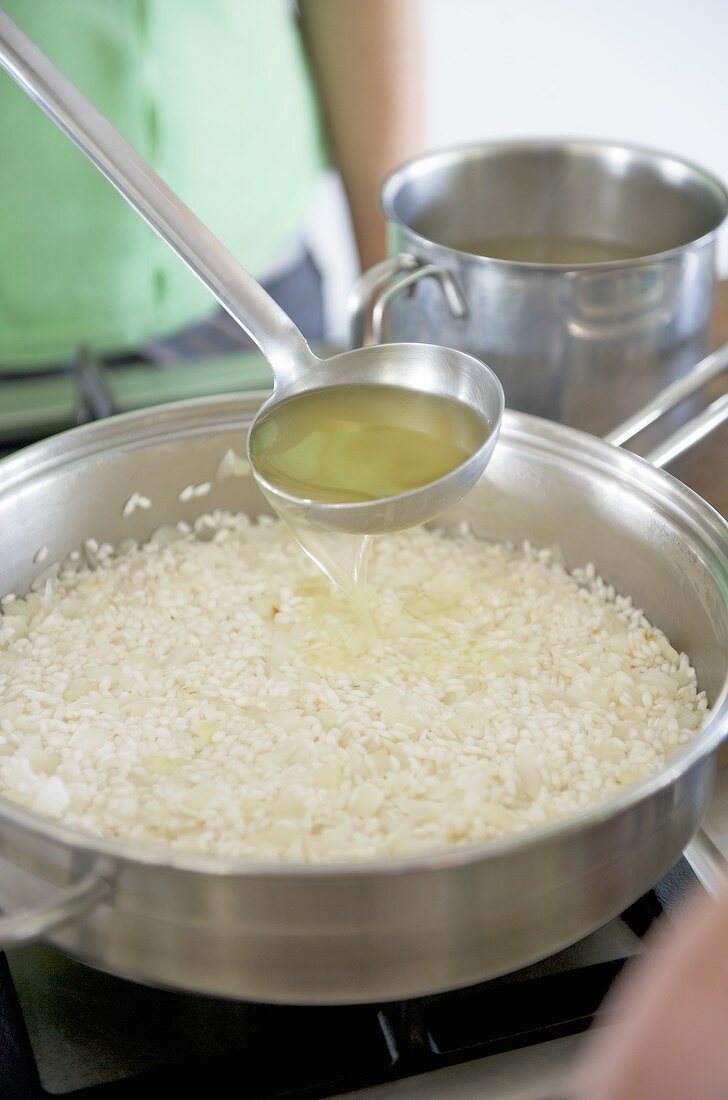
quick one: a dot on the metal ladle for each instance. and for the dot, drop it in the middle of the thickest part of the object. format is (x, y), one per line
(419, 367)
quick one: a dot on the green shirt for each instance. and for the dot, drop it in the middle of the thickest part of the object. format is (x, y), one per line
(216, 95)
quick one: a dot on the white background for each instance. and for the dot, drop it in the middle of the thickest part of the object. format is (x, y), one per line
(653, 72)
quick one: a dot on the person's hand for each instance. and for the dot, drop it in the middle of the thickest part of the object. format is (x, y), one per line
(664, 1032)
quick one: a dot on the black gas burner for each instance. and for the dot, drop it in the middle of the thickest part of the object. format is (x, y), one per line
(66, 1029)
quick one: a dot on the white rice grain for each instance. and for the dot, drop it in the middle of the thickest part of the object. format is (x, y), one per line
(232, 465)
(135, 501)
(215, 694)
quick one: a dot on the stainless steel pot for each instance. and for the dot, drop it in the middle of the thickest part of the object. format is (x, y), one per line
(391, 928)
(582, 343)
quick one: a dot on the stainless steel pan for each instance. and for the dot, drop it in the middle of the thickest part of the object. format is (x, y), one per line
(391, 928)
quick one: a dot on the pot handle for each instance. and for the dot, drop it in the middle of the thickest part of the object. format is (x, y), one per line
(61, 908)
(706, 370)
(365, 298)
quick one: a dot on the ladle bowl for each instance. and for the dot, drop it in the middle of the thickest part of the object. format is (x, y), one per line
(423, 368)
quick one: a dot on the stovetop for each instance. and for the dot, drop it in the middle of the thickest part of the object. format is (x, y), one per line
(36, 403)
(68, 1030)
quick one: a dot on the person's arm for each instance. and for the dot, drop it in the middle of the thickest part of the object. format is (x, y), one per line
(365, 56)
(665, 1030)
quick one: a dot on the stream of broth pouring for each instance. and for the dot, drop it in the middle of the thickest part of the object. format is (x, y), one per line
(356, 443)
(353, 443)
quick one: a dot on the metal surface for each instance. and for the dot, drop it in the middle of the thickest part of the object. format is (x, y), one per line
(709, 368)
(427, 369)
(540, 1072)
(452, 294)
(59, 909)
(707, 861)
(95, 398)
(391, 928)
(433, 369)
(580, 343)
(691, 433)
(364, 289)
(688, 434)
(708, 854)
(87, 1028)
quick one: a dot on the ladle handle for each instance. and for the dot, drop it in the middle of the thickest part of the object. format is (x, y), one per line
(244, 299)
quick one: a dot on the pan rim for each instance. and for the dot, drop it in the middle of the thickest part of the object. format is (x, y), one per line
(157, 422)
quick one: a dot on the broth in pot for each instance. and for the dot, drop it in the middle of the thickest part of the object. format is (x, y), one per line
(552, 248)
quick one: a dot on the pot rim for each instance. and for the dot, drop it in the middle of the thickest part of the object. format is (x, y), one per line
(452, 154)
(525, 430)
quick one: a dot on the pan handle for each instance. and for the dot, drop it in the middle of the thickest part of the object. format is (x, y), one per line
(690, 434)
(61, 908)
(706, 370)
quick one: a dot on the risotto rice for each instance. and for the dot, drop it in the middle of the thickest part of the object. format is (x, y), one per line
(209, 690)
